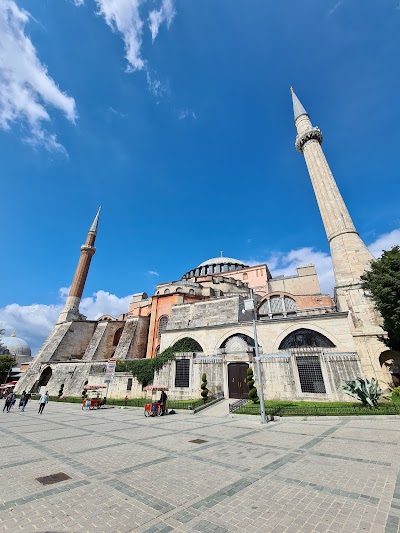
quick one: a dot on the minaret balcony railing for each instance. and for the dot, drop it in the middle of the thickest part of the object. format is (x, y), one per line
(312, 134)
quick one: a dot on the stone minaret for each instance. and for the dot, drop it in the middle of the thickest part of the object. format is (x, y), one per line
(71, 308)
(350, 256)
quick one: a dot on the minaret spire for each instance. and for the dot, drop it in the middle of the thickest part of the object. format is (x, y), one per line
(350, 256)
(298, 108)
(71, 308)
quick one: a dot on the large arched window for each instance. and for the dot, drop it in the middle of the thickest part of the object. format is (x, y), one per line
(162, 325)
(278, 306)
(305, 338)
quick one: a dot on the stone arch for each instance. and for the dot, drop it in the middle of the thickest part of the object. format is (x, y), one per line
(390, 363)
(238, 342)
(45, 377)
(117, 336)
(291, 328)
(305, 338)
(185, 336)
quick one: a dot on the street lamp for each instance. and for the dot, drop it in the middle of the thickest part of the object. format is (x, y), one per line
(250, 306)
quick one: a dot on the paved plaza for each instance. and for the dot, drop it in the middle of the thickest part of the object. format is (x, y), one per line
(129, 473)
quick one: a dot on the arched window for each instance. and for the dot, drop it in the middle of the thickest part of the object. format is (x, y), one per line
(167, 291)
(162, 325)
(191, 291)
(305, 338)
(178, 289)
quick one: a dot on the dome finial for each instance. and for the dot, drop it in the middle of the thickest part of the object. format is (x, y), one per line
(13, 334)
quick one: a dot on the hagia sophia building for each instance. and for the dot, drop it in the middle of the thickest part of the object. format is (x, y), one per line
(308, 341)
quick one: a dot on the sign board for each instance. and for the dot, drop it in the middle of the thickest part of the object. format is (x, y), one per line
(249, 305)
(110, 371)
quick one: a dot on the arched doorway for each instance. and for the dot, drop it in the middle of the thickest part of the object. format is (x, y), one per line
(44, 377)
(390, 363)
(117, 336)
(237, 380)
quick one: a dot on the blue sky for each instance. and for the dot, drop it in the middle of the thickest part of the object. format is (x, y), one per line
(175, 116)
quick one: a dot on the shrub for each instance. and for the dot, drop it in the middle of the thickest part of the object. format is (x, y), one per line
(204, 390)
(250, 383)
(61, 391)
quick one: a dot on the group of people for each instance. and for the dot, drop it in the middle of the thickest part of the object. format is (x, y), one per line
(11, 398)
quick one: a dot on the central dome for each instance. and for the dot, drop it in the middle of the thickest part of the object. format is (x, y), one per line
(222, 260)
(216, 265)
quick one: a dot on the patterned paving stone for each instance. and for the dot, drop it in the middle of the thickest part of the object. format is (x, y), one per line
(131, 474)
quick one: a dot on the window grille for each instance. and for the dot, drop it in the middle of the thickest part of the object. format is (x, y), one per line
(290, 304)
(129, 385)
(182, 367)
(263, 310)
(276, 304)
(310, 374)
(162, 325)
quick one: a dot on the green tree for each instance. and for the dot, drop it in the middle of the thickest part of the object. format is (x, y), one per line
(382, 283)
(6, 363)
(3, 349)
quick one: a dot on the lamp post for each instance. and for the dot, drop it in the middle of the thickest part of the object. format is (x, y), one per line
(250, 306)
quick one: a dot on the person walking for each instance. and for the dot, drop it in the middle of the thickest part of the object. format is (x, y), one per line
(42, 402)
(26, 398)
(8, 402)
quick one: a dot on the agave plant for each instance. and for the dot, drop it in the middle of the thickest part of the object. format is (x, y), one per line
(368, 392)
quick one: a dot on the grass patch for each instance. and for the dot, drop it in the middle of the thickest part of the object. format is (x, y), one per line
(136, 402)
(287, 408)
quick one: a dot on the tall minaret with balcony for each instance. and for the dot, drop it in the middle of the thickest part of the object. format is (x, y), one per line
(350, 256)
(71, 308)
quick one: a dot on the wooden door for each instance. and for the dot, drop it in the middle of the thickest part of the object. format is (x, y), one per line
(237, 380)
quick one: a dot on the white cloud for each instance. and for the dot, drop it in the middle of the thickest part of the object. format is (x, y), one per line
(153, 273)
(187, 113)
(156, 17)
(123, 16)
(385, 242)
(117, 113)
(26, 89)
(155, 86)
(335, 7)
(285, 263)
(34, 322)
(79, 2)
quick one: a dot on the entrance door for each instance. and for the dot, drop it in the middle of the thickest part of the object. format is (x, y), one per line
(237, 380)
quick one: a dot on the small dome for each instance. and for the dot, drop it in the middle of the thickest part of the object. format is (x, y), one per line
(15, 345)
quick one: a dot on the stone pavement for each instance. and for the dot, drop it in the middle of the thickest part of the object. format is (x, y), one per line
(129, 473)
